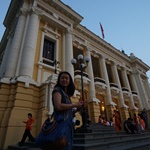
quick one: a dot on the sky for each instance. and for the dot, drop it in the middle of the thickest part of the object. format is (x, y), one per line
(126, 23)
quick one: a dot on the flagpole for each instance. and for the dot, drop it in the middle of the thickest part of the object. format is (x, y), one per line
(102, 30)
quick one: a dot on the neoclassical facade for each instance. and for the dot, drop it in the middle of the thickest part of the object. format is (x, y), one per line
(41, 38)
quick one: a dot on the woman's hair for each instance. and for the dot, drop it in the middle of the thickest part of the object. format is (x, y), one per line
(71, 86)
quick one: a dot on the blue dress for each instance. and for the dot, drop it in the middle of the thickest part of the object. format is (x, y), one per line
(68, 113)
(64, 125)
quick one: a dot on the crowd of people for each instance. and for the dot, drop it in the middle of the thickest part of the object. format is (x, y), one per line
(103, 121)
(132, 125)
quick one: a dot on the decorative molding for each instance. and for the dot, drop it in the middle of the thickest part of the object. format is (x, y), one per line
(47, 29)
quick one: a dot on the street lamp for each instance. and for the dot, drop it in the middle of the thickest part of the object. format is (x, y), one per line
(83, 63)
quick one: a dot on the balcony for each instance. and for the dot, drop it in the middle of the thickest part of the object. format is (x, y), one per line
(135, 95)
(114, 89)
(77, 78)
(126, 92)
(100, 84)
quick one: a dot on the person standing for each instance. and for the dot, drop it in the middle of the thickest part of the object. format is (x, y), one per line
(118, 125)
(61, 94)
(145, 118)
(141, 124)
(27, 132)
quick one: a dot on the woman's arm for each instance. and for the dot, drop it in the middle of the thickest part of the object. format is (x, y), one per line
(61, 106)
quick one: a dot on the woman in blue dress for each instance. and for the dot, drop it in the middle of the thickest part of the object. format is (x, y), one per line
(61, 94)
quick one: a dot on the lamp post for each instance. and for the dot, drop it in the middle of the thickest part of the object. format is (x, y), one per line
(83, 63)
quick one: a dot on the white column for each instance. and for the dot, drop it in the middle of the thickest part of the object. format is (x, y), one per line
(116, 76)
(92, 96)
(15, 47)
(132, 106)
(63, 52)
(147, 87)
(27, 62)
(5, 58)
(136, 89)
(141, 89)
(105, 75)
(39, 73)
(50, 83)
(50, 103)
(22, 44)
(69, 53)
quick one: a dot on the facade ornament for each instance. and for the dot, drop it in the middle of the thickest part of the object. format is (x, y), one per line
(132, 56)
(55, 16)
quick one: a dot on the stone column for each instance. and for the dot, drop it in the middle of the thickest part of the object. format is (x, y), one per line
(15, 46)
(140, 88)
(27, 62)
(40, 68)
(116, 76)
(50, 103)
(63, 52)
(132, 106)
(105, 75)
(136, 89)
(147, 86)
(5, 57)
(69, 53)
(92, 96)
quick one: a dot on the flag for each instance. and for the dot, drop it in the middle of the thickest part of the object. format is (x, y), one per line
(102, 30)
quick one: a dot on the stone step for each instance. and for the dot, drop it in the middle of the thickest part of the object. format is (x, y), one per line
(133, 146)
(97, 134)
(22, 148)
(113, 144)
(96, 139)
(103, 134)
(26, 146)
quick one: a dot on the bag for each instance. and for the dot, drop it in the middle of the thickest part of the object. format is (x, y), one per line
(52, 134)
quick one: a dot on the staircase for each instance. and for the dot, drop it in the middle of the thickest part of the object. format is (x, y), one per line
(105, 138)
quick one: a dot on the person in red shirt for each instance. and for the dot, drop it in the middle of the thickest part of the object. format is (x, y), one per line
(27, 132)
(118, 125)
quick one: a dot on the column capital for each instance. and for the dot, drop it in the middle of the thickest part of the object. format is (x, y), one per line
(22, 11)
(36, 11)
(123, 68)
(113, 63)
(88, 48)
(136, 73)
(101, 56)
(69, 30)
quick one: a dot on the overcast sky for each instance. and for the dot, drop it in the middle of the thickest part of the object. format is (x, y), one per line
(126, 23)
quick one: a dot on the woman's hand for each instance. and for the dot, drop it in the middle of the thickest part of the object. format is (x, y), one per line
(78, 104)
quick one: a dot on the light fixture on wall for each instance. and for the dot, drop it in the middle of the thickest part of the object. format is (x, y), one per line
(103, 108)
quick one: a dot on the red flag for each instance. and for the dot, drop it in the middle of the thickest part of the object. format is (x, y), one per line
(102, 30)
